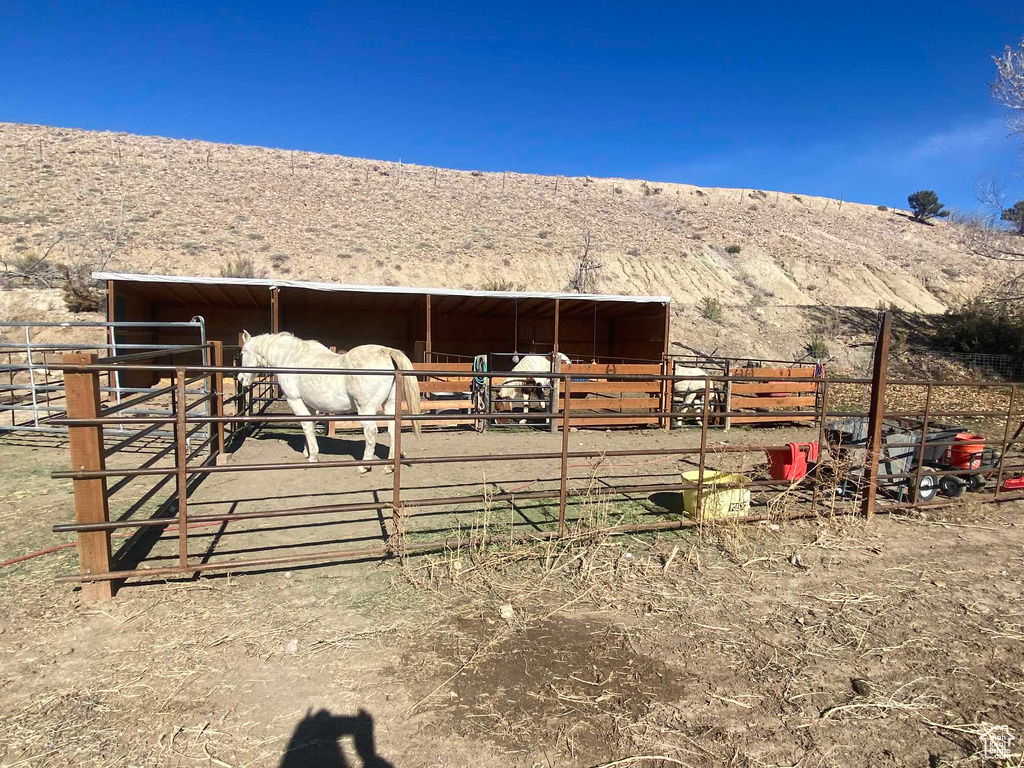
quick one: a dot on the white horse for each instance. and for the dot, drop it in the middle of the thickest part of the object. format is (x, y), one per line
(689, 391)
(520, 386)
(334, 393)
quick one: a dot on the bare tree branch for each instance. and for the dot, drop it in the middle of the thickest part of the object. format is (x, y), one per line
(586, 274)
(983, 237)
(1008, 88)
(990, 191)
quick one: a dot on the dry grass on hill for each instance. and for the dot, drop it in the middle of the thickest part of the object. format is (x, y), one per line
(188, 207)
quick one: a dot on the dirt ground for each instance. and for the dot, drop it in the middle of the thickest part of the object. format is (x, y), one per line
(824, 642)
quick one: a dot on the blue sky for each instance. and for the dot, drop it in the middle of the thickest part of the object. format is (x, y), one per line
(867, 100)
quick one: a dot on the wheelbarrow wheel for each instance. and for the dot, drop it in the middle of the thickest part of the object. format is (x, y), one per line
(952, 486)
(926, 488)
(976, 483)
(847, 488)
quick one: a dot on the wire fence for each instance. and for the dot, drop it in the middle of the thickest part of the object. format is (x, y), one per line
(1007, 367)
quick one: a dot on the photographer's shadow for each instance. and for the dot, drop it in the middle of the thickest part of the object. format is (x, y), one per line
(314, 744)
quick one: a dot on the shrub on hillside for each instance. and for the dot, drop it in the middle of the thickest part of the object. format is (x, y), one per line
(711, 309)
(81, 293)
(817, 348)
(733, 249)
(243, 266)
(986, 327)
(502, 284)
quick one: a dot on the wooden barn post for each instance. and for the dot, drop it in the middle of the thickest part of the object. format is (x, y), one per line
(666, 385)
(429, 345)
(110, 301)
(275, 310)
(558, 314)
(82, 392)
(875, 415)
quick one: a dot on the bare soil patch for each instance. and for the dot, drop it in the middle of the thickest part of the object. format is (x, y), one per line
(723, 645)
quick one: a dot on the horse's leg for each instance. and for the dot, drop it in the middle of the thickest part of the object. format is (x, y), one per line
(526, 403)
(369, 435)
(308, 429)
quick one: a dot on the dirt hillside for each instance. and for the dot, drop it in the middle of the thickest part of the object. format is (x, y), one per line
(190, 207)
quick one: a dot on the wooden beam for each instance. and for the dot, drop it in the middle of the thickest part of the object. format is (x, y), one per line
(197, 293)
(86, 447)
(558, 307)
(668, 327)
(251, 298)
(176, 291)
(275, 310)
(226, 295)
(470, 306)
(667, 385)
(110, 301)
(876, 413)
(429, 347)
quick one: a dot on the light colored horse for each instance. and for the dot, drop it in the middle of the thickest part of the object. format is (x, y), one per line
(524, 380)
(690, 391)
(334, 393)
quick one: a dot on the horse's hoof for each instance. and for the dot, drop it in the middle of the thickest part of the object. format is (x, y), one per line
(313, 459)
(364, 470)
(522, 421)
(389, 470)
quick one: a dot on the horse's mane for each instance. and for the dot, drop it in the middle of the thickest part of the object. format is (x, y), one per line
(267, 343)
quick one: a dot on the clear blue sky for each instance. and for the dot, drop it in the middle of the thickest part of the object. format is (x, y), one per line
(870, 100)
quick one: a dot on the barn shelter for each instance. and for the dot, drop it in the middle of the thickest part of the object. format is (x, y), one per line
(428, 324)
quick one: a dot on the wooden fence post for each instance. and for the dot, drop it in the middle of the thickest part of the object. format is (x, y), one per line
(875, 415)
(82, 392)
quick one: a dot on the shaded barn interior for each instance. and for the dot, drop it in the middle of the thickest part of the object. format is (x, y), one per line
(428, 324)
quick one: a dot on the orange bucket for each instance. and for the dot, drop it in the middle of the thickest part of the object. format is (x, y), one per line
(966, 452)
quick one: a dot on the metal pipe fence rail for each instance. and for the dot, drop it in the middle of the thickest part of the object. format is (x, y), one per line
(33, 397)
(87, 419)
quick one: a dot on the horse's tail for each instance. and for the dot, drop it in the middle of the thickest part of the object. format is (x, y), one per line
(410, 386)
